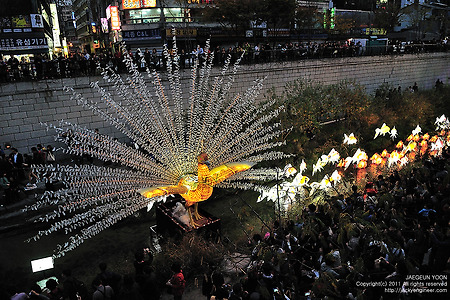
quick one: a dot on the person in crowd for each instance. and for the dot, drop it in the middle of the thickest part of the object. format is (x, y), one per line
(129, 289)
(102, 292)
(53, 291)
(177, 283)
(108, 277)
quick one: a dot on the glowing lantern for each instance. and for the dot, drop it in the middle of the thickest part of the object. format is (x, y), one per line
(304, 180)
(393, 158)
(384, 153)
(399, 145)
(411, 146)
(336, 177)
(393, 133)
(376, 159)
(302, 166)
(333, 156)
(381, 131)
(403, 161)
(349, 139)
(362, 164)
(417, 130)
(289, 170)
(410, 138)
(426, 136)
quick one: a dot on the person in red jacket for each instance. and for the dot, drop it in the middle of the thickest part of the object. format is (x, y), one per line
(177, 282)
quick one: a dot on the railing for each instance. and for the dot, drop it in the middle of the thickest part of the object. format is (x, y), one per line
(72, 67)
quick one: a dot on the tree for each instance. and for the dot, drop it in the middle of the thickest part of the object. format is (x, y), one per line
(388, 17)
(279, 13)
(235, 13)
(239, 13)
(416, 15)
(307, 18)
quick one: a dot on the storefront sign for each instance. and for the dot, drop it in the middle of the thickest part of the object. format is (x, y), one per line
(36, 21)
(148, 3)
(22, 21)
(23, 42)
(279, 32)
(108, 12)
(182, 32)
(115, 21)
(135, 4)
(145, 34)
(374, 31)
(104, 25)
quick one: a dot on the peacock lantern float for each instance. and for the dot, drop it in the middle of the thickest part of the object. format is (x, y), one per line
(183, 137)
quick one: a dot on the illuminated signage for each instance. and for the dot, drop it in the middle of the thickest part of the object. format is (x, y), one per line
(56, 30)
(115, 21)
(104, 25)
(200, 1)
(375, 31)
(21, 21)
(108, 12)
(93, 28)
(148, 3)
(131, 4)
(36, 21)
(24, 42)
(134, 4)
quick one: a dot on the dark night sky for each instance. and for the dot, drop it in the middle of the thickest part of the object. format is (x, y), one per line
(15, 7)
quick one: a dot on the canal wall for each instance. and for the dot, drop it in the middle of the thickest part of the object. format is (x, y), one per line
(24, 105)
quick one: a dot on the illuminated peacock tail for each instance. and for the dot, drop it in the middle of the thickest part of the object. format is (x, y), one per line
(168, 125)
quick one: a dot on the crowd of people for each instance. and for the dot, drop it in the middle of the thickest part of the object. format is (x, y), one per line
(395, 228)
(16, 175)
(44, 66)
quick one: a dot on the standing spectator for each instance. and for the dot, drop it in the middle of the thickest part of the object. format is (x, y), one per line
(72, 287)
(129, 290)
(102, 292)
(13, 63)
(154, 64)
(109, 278)
(3, 70)
(37, 157)
(140, 263)
(17, 161)
(49, 155)
(38, 64)
(25, 68)
(53, 291)
(177, 282)
(256, 53)
(5, 187)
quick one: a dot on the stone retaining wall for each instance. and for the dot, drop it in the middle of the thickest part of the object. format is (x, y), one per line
(24, 105)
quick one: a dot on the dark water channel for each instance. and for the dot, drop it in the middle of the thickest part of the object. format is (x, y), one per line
(115, 246)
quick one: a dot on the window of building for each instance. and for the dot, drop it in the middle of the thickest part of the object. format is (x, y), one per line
(173, 14)
(139, 16)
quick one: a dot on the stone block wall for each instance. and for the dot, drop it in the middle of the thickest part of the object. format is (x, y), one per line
(24, 105)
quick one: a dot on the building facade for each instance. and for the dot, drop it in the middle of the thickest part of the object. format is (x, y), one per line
(26, 27)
